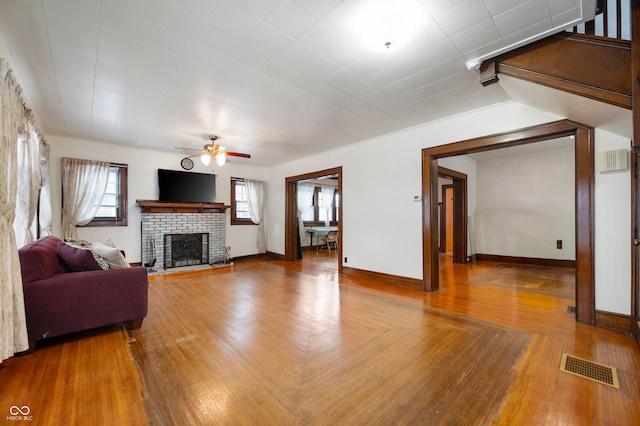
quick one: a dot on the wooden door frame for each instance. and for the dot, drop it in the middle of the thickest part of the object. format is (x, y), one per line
(635, 235)
(443, 217)
(291, 212)
(584, 199)
(460, 250)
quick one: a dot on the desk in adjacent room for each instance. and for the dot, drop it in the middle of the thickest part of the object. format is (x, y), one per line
(320, 231)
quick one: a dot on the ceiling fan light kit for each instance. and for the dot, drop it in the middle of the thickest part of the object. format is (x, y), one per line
(221, 158)
(213, 150)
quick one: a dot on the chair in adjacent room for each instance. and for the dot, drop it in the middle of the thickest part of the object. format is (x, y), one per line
(331, 240)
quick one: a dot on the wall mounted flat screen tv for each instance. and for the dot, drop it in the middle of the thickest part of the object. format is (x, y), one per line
(186, 187)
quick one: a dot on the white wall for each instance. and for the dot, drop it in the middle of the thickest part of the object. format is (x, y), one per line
(525, 204)
(382, 225)
(612, 231)
(142, 169)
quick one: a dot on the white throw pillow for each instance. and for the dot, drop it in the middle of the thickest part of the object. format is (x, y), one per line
(112, 255)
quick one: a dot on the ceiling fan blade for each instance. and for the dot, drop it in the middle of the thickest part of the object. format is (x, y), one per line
(237, 154)
(187, 149)
(194, 155)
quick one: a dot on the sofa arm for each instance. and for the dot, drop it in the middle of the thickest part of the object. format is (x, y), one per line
(75, 301)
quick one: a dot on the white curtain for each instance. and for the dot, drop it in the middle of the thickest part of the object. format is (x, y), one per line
(305, 203)
(13, 325)
(45, 214)
(84, 183)
(28, 186)
(327, 197)
(255, 201)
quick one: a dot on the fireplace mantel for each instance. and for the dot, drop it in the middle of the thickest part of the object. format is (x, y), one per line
(154, 206)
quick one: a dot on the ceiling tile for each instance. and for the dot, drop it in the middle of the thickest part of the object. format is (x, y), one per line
(87, 11)
(563, 18)
(31, 28)
(267, 37)
(560, 6)
(439, 7)
(203, 9)
(341, 80)
(145, 10)
(497, 7)
(531, 31)
(281, 77)
(28, 48)
(258, 8)
(188, 26)
(478, 35)
(119, 51)
(324, 41)
(127, 25)
(318, 8)
(290, 19)
(78, 36)
(450, 101)
(475, 94)
(231, 20)
(511, 21)
(463, 16)
(169, 41)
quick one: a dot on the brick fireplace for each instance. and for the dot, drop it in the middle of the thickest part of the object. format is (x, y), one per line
(162, 219)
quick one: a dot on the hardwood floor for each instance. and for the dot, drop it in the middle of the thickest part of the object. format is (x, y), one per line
(273, 342)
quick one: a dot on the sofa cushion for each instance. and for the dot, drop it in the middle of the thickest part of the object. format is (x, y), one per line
(85, 245)
(112, 255)
(39, 260)
(77, 259)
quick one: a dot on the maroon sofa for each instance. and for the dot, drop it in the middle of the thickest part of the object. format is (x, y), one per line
(60, 301)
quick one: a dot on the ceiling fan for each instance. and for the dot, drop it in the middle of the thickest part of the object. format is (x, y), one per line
(209, 151)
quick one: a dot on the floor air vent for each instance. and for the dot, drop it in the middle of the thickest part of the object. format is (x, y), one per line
(599, 373)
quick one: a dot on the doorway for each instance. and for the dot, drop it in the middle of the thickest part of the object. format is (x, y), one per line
(291, 252)
(454, 214)
(584, 169)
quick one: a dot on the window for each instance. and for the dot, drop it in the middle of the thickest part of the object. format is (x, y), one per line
(317, 216)
(239, 205)
(113, 210)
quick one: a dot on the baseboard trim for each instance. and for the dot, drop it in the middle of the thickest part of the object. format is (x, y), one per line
(258, 256)
(276, 256)
(613, 321)
(395, 280)
(526, 260)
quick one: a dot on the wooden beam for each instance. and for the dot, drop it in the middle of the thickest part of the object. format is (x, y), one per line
(635, 71)
(593, 67)
(488, 72)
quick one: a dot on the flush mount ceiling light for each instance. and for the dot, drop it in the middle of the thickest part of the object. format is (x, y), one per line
(386, 26)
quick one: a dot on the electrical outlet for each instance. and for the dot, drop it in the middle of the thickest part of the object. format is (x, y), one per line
(559, 244)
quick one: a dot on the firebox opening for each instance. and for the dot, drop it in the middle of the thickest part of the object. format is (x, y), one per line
(186, 250)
